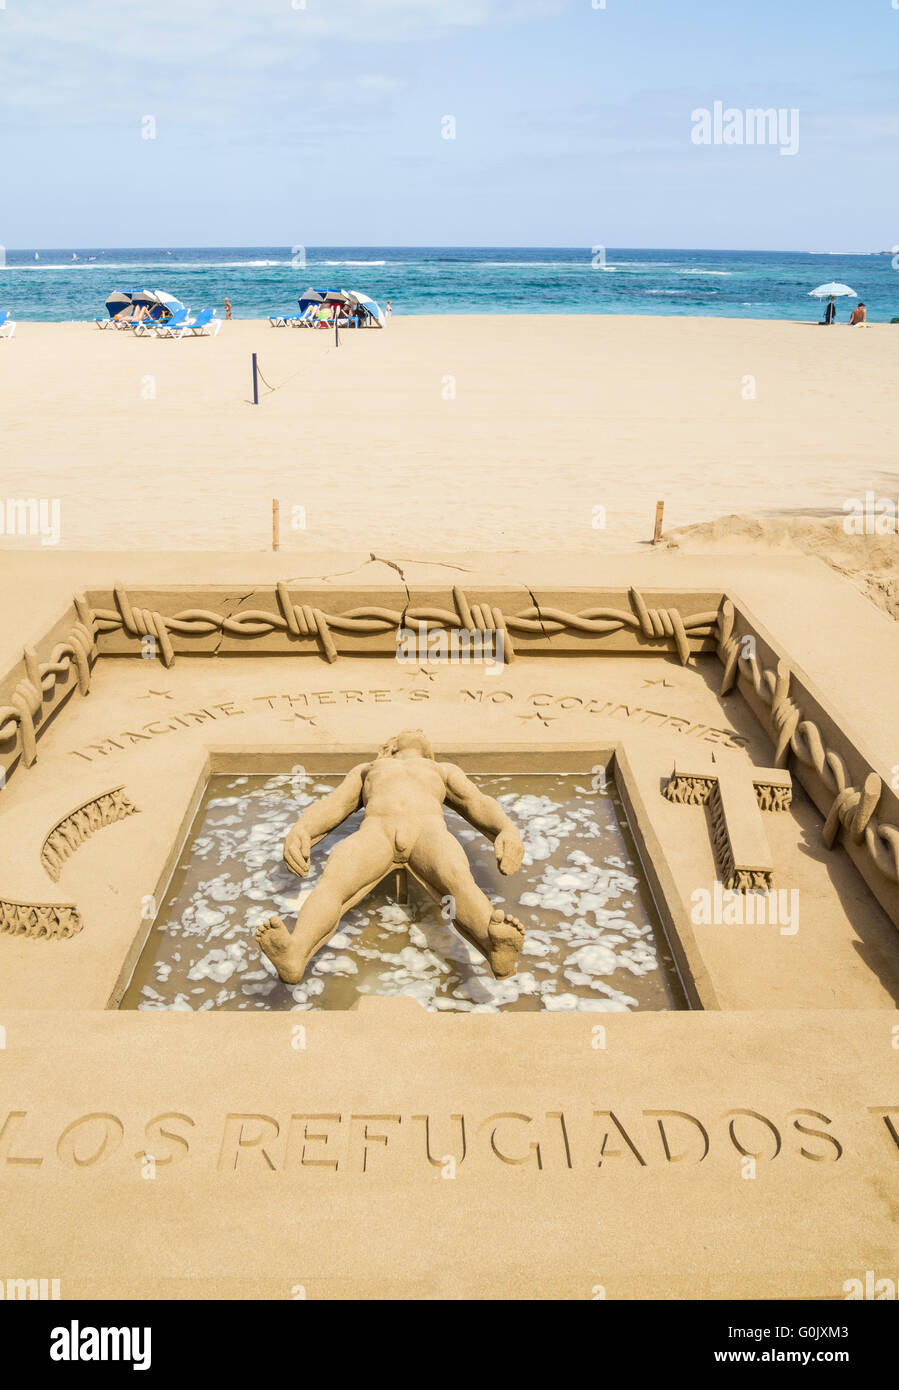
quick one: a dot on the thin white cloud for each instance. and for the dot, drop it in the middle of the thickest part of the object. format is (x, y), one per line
(102, 61)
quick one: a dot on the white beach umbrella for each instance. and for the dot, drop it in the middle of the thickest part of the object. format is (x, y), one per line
(369, 304)
(832, 290)
(168, 301)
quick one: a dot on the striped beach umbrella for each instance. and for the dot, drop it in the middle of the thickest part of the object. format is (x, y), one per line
(832, 290)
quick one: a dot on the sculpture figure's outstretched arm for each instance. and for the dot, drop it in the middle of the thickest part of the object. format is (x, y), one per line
(486, 815)
(321, 818)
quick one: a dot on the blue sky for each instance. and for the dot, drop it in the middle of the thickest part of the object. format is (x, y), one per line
(281, 125)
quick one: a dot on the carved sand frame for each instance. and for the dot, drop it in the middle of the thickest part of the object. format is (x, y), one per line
(860, 807)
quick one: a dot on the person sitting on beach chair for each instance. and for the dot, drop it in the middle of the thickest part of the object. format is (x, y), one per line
(858, 315)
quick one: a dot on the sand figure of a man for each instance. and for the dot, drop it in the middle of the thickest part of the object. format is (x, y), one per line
(403, 791)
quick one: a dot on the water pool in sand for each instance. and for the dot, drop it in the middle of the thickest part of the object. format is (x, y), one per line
(592, 941)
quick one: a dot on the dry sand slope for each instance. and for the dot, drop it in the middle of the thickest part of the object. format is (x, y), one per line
(871, 562)
(444, 433)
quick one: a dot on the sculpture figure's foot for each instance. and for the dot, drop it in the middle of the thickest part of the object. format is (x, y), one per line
(506, 940)
(278, 944)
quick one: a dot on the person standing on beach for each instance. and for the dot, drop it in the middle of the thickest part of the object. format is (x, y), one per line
(858, 315)
(388, 310)
(228, 313)
(830, 312)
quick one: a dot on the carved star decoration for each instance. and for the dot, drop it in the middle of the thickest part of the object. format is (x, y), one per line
(162, 694)
(545, 719)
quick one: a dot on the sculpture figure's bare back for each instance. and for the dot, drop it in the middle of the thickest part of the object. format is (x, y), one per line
(403, 791)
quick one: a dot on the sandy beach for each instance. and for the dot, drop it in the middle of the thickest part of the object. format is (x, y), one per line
(451, 433)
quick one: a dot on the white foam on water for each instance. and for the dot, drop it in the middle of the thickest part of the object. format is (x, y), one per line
(584, 930)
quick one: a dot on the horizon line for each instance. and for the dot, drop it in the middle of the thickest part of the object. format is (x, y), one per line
(448, 246)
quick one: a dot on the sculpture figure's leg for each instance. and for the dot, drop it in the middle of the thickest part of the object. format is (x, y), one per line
(440, 861)
(352, 870)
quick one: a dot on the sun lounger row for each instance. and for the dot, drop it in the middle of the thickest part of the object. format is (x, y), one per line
(311, 317)
(7, 326)
(181, 325)
(302, 320)
(178, 325)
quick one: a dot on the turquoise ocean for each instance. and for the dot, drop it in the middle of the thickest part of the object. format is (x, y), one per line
(73, 283)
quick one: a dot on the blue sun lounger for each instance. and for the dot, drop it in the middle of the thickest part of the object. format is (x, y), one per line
(205, 325)
(7, 326)
(162, 328)
(293, 320)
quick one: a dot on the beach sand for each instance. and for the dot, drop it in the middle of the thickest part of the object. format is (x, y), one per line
(452, 434)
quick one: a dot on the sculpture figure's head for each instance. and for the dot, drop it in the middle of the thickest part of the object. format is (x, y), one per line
(411, 743)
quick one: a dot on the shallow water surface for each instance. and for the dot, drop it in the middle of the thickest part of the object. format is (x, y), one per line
(592, 938)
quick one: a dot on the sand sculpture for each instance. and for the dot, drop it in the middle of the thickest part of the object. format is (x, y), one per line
(70, 832)
(859, 806)
(39, 920)
(735, 793)
(403, 791)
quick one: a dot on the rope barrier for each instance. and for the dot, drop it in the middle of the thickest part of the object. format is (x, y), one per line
(299, 372)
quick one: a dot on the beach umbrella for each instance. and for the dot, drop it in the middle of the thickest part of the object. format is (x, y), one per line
(117, 301)
(369, 306)
(832, 290)
(313, 296)
(168, 301)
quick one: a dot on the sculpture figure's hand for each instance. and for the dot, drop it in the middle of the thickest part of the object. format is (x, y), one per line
(509, 850)
(297, 848)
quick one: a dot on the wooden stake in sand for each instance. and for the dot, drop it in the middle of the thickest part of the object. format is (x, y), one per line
(256, 384)
(657, 533)
(276, 524)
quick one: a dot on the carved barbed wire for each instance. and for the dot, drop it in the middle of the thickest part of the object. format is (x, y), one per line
(73, 829)
(23, 715)
(305, 621)
(852, 808)
(39, 920)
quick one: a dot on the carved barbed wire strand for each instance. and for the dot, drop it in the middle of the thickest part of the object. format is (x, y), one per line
(304, 621)
(25, 711)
